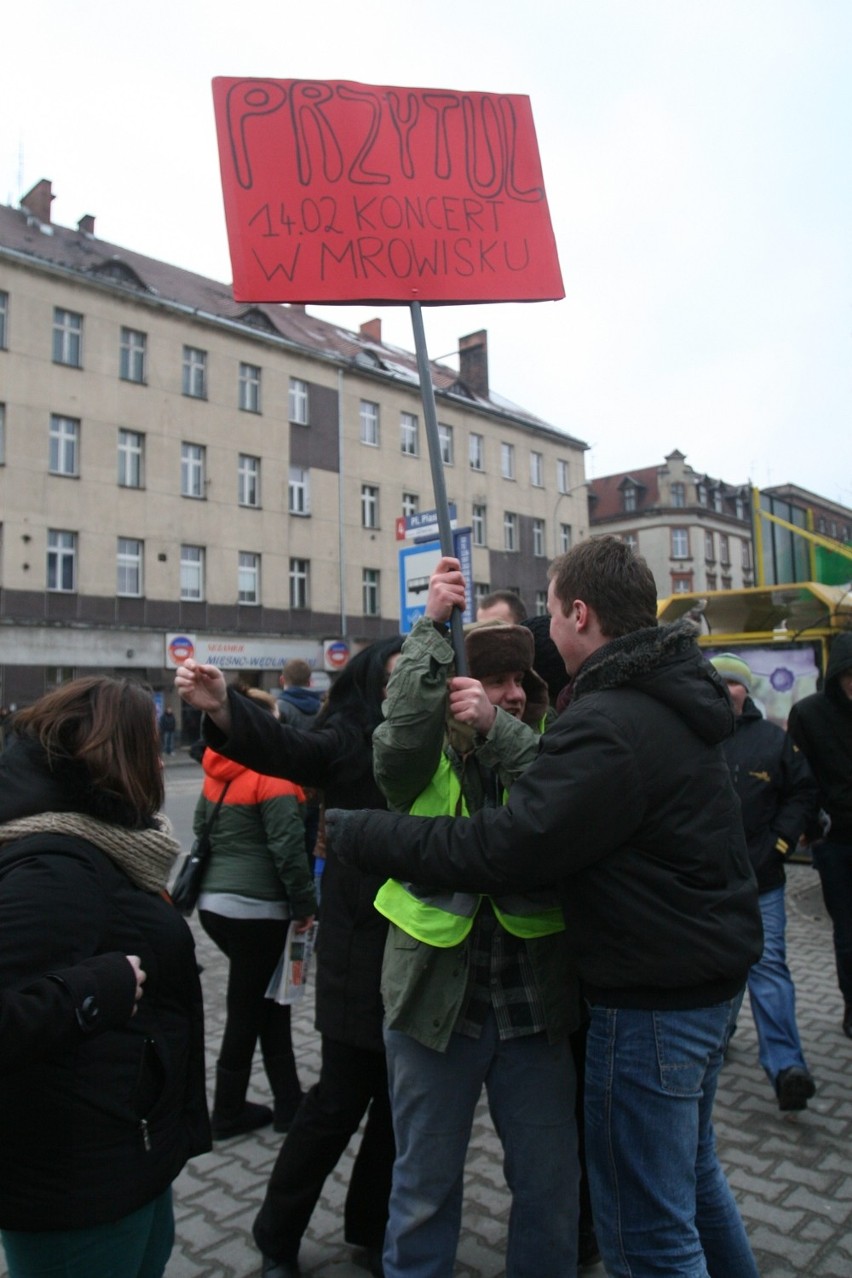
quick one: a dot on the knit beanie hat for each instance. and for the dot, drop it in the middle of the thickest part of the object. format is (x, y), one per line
(547, 662)
(733, 669)
(494, 648)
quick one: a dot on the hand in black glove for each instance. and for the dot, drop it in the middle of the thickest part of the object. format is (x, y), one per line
(343, 834)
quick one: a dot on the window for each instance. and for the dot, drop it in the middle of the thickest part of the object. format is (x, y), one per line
(299, 583)
(192, 573)
(712, 581)
(369, 413)
(2, 434)
(479, 526)
(507, 461)
(410, 504)
(408, 434)
(64, 445)
(480, 590)
(248, 480)
(249, 388)
(717, 500)
(678, 496)
(701, 493)
(628, 498)
(727, 582)
(445, 439)
(298, 401)
(4, 320)
(131, 456)
(563, 476)
(194, 372)
(67, 338)
(538, 536)
(369, 506)
(128, 580)
(680, 543)
(132, 355)
(536, 470)
(745, 550)
(248, 578)
(541, 603)
(565, 538)
(681, 583)
(192, 457)
(709, 547)
(510, 530)
(299, 491)
(739, 508)
(476, 452)
(630, 539)
(370, 591)
(724, 548)
(61, 560)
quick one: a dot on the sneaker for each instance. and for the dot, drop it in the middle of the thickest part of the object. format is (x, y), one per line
(794, 1087)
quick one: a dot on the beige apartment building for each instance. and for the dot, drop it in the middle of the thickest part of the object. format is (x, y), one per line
(693, 530)
(177, 468)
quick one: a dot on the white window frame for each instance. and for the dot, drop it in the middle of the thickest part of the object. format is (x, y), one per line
(563, 475)
(61, 561)
(371, 592)
(297, 401)
(248, 481)
(479, 524)
(248, 394)
(193, 468)
(510, 531)
(248, 578)
(192, 573)
(369, 506)
(476, 451)
(679, 495)
(709, 546)
(538, 539)
(541, 603)
(67, 337)
(409, 430)
(410, 505)
(299, 491)
(129, 559)
(680, 543)
(565, 538)
(507, 460)
(368, 415)
(629, 499)
(131, 458)
(4, 320)
(537, 469)
(133, 356)
(299, 576)
(64, 456)
(445, 439)
(724, 550)
(194, 372)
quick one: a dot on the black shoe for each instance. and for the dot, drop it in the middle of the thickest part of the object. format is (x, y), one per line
(249, 1118)
(847, 1021)
(279, 1268)
(794, 1087)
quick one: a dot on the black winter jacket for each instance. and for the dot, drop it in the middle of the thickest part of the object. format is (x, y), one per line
(776, 789)
(821, 726)
(629, 807)
(335, 757)
(97, 1120)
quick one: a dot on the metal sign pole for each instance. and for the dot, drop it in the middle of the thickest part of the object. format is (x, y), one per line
(433, 441)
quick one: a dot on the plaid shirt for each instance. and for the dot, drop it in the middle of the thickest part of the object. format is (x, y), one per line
(501, 978)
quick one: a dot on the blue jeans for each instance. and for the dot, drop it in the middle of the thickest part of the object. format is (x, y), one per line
(660, 1200)
(136, 1246)
(771, 992)
(834, 864)
(530, 1085)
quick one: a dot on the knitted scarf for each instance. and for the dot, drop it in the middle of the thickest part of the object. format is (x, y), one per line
(145, 856)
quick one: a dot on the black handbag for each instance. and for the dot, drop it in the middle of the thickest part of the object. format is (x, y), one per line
(187, 885)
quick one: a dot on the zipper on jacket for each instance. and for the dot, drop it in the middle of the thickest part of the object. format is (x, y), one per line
(144, 1133)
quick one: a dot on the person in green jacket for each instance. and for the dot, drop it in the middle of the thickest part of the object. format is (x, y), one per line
(478, 990)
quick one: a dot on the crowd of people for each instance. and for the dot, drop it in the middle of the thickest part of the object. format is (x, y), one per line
(551, 880)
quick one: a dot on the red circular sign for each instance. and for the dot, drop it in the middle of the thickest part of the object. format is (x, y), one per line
(180, 648)
(337, 654)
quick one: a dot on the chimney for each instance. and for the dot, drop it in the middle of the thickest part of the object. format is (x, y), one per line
(38, 201)
(372, 331)
(86, 225)
(473, 362)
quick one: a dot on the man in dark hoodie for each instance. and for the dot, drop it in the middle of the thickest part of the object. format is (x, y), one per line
(298, 703)
(629, 807)
(821, 726)
(778, 796)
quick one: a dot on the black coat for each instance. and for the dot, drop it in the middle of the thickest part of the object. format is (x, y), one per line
(776, 789)
(629, 807)
(337, 758)
(821, 726)
(97, 1120)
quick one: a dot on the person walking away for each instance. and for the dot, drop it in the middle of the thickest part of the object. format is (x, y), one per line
(101, 1106)
(629, 807)
(778, 797)
(256, 885)
(821, 726)
(167, 726)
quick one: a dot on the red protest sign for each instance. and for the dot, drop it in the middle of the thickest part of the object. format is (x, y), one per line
(342, 192)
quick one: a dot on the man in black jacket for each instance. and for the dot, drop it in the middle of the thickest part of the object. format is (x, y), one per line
(778, 796)
(629, 807)
(821, 726)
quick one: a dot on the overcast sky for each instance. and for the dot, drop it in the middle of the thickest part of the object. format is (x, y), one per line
(696, 156)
